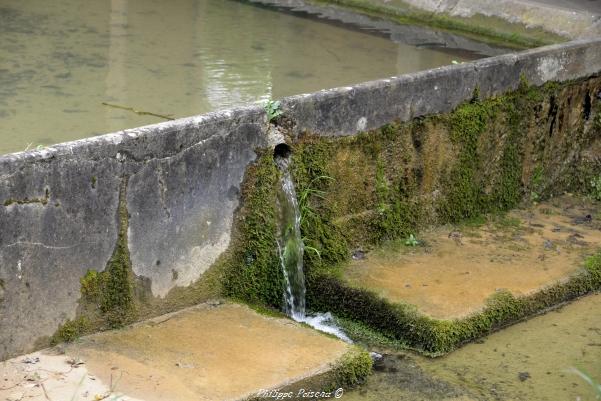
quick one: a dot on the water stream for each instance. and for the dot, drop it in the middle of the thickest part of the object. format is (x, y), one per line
(290, 243)
(291, 251)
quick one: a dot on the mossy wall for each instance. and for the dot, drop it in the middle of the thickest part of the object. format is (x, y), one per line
(116, 296)
(248, 271)
(485, 156)
(356, 192)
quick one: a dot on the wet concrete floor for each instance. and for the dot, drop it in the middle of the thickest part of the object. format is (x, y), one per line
(211, 352)
(455, 269)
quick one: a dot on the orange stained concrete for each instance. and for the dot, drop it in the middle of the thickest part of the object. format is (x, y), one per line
(211, 353)
(224, 352)
(457, 268)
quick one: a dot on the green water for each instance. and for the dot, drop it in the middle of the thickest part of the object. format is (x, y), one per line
(60, 60)
(529, 361)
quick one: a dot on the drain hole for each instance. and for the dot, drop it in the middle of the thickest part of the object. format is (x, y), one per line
(282, 150)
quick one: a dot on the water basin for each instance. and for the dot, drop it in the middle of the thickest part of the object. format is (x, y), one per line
(60, 61)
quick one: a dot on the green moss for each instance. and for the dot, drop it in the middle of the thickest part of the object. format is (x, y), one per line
(25, 201)
(313, 178)
(112, 289)
(536, 183)
(107, 297)
(72, 330)
(252, 271)
(397, 215)
(593, 267)
(368, 337)
(464, 196)
(595, 187)
(352, 369)
(476, 125)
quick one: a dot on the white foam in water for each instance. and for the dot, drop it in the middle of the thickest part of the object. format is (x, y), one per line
(323, 322)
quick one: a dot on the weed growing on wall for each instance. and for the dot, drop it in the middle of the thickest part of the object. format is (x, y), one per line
(272, 108)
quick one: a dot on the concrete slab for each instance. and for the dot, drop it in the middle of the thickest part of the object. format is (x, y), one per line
(210, 352)
(456, 269)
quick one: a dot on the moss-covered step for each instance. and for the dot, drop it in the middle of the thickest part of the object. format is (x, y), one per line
(214, 351)
(449, 272)
(532, 360)
(454, 283)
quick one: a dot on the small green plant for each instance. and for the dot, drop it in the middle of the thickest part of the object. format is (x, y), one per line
(38, 147)
(307, 212)
(312, 249)
(596, 187)
(411, 241)
(272, 108)
(304, 195)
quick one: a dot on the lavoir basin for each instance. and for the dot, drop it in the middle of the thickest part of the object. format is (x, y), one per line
(69, 71)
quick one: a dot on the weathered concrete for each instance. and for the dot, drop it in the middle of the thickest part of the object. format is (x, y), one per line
(348, 110)
(59, 206)
(561, 21)
(209, 352)
(567, 22)
(59, 212)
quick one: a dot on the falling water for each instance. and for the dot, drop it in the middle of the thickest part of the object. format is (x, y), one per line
(291, 251)
(290, 243)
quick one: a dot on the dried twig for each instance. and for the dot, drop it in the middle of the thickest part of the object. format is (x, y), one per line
(138, 112)
(45, 393)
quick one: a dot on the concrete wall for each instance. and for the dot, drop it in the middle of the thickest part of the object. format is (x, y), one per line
(344, 111)
(567, 19)
(59, 206)
(59, 213)
(569, 23)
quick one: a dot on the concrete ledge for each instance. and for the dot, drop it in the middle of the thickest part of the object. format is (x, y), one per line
(564, 22)
(346, 111)
(413, 35)
(191, 355)
(502, 17)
